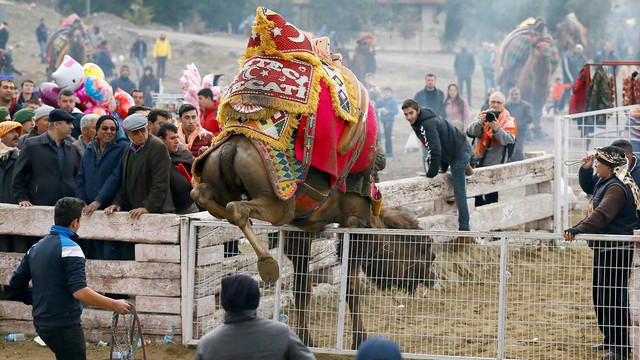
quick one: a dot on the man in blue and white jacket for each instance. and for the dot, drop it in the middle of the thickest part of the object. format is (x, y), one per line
(56, 264)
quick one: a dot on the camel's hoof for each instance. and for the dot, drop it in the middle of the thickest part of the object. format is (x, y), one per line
(269, 270)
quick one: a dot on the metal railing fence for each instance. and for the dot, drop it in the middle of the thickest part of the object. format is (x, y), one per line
(502, 296)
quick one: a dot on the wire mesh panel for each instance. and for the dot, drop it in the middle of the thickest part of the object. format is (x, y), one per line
(580, 134)
(484, 296)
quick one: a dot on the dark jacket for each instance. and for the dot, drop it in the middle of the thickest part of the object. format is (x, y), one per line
(150, 179)
(4, 37)
(139, 49)
(148, 84)
(41, 33)
(56, 266)
(99, 180)
(38, 177)
(587, 178)
(614, 212)
(123, 83)
(76, 132)
(180, 185)
(522, 111)
(102, 58)
(6, 176)
(245, 336)
(464, 63)
(433, 99)
(444, 142)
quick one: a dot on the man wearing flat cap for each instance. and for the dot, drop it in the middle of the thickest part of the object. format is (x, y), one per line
(612, 211)
(47, 166)
(244, 335)
(145, 172)
(41, 119)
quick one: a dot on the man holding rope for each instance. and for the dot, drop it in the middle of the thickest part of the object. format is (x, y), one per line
(612, 211)
(56, 265)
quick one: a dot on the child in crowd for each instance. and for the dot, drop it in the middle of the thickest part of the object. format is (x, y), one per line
(557, 90)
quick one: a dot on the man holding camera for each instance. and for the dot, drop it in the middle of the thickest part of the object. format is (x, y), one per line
(496, 130)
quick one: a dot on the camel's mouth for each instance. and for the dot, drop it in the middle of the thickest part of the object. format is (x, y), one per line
(246, 108)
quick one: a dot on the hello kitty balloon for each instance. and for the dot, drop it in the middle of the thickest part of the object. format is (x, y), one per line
(69, 75)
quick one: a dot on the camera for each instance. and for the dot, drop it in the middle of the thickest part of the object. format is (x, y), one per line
(492, 115)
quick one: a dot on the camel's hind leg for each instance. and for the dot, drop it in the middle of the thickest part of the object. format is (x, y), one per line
(297, 250)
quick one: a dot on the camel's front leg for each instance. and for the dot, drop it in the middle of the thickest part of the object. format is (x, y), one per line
(276, 211)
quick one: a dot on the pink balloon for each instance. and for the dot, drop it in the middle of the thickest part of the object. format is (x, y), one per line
(83, 101)
(49, 93)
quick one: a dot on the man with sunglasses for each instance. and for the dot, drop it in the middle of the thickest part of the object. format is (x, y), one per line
(99, 175)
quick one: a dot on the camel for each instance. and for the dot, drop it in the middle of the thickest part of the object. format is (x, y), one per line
(527, 58)
(235, 178)
(570, 32)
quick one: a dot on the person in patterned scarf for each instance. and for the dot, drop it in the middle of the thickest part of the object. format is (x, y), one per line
(612, 210)
(191, 134)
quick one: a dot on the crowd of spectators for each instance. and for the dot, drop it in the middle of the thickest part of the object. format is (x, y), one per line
(140, 165)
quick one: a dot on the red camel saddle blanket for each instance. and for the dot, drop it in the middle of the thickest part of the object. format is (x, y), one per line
(274, 77)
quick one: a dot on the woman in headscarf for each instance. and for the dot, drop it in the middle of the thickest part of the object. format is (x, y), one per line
(612, 210)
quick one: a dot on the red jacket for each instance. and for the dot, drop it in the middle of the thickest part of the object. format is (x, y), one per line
(578, 101)
(208, 119)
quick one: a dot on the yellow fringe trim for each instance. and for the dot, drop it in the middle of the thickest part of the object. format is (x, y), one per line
(263, 27)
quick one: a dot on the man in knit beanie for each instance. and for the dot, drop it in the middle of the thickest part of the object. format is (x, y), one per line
(25, 117)
(244, 335)
(4, 114)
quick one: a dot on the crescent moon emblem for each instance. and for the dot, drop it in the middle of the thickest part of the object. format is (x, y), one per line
(300, 37)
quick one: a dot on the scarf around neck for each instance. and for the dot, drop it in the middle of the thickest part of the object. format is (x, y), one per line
(506, 122)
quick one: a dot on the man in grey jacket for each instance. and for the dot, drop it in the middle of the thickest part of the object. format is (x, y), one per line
(244, 335)
(494, 135)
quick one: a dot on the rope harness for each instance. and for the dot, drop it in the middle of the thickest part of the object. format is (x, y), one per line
(132, 339)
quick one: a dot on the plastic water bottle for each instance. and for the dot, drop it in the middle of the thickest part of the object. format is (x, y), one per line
(168, 337)
(15, 337)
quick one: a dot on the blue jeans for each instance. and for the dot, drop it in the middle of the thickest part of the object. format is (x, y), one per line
(489, 82)
(388, 145)
(42, 44)
(459, 188)
(162, 61)
(140, 64)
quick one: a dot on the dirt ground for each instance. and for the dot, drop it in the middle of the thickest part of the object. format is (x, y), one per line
(219, 53)
(548, 310)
